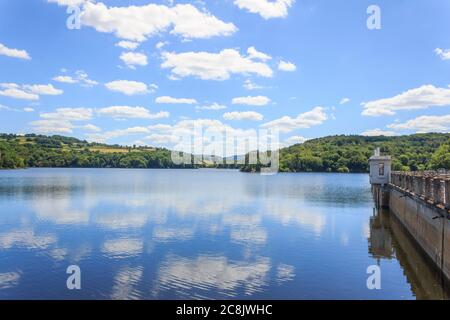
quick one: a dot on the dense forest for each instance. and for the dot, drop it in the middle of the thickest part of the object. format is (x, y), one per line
(328, 154)
(58, 151)
(351, 153)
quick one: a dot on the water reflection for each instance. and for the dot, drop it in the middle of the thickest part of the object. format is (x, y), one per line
(207, 273)
(389, 240)
(150, 234)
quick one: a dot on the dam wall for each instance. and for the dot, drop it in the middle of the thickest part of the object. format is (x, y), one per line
(421, 202)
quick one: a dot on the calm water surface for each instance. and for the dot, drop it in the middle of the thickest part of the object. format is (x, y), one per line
(220, 234)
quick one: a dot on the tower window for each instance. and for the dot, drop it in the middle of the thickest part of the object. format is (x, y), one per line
(381, 169)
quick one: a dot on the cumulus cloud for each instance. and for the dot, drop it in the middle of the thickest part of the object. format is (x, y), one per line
(14, 53)
(213, 66)
(68, 114)
(133, 59)
(91, 127)
(68, 2)
(295, 140)
(287, 66)
(127, 87)
(378, 132)
(65, 79)
(171, 100)
(423, 97)
(105, 136)
(80, 77)
(251, 101)
(266, 8)
(126, 112)
(305, 120)
(250, 85)
(214, 106)
(444, 54)
(60, 121)
(43, 89)
(425, 124)
(28, 92)
(243, 115)
(26, 109)
(129, 45)
(344, 101)
(255, 54)
(138, 23)
(162, 139)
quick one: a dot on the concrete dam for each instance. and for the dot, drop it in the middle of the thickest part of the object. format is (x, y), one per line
(421, 203)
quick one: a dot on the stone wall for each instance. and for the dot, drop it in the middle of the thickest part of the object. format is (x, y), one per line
(424, 215)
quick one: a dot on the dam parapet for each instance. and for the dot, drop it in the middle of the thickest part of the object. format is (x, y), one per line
(430, 186)
(421, 202)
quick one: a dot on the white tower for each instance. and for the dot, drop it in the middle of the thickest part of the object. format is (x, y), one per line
(380, 168)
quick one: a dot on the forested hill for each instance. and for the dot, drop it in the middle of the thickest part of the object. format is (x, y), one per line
(351, 153)
(58, 151)
(329, 154)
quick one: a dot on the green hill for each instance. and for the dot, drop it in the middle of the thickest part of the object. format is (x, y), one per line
(351, 153)
(328, 154)
(57, 151)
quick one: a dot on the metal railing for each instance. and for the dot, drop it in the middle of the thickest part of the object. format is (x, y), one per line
(432, 186)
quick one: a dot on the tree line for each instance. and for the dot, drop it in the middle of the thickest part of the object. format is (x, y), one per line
(340, 153)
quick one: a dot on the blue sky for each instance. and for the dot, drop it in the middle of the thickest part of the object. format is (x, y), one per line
(310, 68)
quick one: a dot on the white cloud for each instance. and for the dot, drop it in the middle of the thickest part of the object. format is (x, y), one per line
(27, 92)
(161, 139)
(130, 45)
(68, 114)
(214, 106)
(286, 66)
(105, 136)
(243, 115)
(213, 66)
(91, 127)
(83, 78)
(255, 54)
(266, 8)
(43, 89)
(2, 107)
(60, 121)
(425, 124)
(126, 112)
(249, 85)
(65, 79)
(182, 132)
(132, 59)
(153, 87)
(68, 2)
(305, 120)
(18, 94)
(127, 87)
(26, 109)
(14, 53)
(344, 101)
(251, 101)
(444, 54)
(295, 140)
(378, 132)
(160, 44)
(79, 77)
(171, 100)
(423, 97)
(138, 23)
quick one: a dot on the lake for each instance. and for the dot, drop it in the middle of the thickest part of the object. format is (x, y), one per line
(202, 234)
